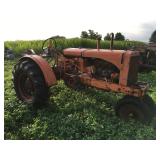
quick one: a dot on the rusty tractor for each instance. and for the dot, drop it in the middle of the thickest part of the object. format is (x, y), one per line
(104, 69)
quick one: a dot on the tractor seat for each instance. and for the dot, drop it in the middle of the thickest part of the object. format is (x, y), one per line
(73, 52)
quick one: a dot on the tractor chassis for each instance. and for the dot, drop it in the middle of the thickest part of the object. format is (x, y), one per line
(138, 90)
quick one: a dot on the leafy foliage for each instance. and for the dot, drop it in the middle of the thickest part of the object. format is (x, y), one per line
(71, 114)
(90, 34)
(84, 34)
(119, 37)
(107, 37)
(153, 37)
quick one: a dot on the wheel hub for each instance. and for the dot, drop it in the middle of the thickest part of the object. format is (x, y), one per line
(26, 87)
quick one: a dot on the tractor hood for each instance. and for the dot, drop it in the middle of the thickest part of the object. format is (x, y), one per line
(74, 52)
(83, 52)
(116, 57)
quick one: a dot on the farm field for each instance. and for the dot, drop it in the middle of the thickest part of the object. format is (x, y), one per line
(70, 114)
(20, 46)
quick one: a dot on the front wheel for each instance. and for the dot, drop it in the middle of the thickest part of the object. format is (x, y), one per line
(29, 83)
(131, 107)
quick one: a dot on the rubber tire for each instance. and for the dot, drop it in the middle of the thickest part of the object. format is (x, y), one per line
(152, 106)
(135, 105)
(41, 91)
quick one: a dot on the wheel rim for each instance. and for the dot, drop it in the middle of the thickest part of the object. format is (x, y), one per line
(25, 87)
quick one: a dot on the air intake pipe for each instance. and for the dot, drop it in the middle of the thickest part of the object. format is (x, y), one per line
(111, 43)
(98, 43)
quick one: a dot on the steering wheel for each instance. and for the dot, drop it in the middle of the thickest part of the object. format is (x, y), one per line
(49, 46)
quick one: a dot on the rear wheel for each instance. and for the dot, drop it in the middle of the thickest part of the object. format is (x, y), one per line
(151, 105)
(136, 108)
(29, 83)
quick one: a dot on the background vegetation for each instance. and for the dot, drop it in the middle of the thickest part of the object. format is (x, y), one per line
(71, 114)
(153, 37)
(19, 47)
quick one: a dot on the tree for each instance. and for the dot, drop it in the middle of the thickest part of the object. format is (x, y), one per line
(107, 37)
(84, 34)
(119, 36)
(153, 37)
(99, 36)
(59, 37)
(90, 35)
(94, 35)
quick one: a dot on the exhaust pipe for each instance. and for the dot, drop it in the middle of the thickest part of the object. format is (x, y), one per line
(98, 43)
(111, 43)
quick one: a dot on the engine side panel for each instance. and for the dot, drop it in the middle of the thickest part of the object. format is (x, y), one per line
(73, 52)
(112, 56)
(125, 61)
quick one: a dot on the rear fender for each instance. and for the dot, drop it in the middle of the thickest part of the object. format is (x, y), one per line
(47, 71)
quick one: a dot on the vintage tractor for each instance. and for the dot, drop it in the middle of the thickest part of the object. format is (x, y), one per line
(104, 69)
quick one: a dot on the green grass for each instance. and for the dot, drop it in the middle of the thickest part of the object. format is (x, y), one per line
(72, 115)
(20, 46)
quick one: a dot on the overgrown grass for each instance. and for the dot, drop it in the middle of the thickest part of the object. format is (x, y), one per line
(72, 115)
(20, 46)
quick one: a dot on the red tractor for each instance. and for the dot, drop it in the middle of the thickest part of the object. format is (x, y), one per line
(104, 69)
